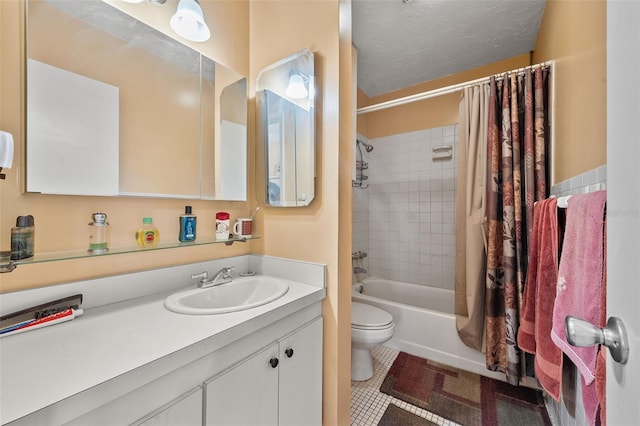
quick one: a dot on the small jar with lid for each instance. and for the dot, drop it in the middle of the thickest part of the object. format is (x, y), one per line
(98, 234)
(222, 226)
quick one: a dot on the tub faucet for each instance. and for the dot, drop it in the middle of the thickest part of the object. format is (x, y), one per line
(223, 276)
(359, 270)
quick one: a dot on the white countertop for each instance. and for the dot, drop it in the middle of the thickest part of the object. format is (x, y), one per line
(41, 367)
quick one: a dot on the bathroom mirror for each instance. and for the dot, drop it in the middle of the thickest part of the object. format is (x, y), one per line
(285, 97)
(115, 107)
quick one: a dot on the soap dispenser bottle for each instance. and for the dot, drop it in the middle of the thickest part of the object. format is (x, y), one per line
(187, 226)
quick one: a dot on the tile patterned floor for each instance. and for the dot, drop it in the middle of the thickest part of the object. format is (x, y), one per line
(368, 403)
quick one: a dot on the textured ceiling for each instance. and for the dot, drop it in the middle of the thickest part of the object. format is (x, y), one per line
(402, 44)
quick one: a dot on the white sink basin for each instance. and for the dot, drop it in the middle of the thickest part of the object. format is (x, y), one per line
(237, 295)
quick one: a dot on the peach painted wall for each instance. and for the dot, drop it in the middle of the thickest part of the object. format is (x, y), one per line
(61, 221)
(362, 119)
(429, 113)
(314, 233)
(573, 34)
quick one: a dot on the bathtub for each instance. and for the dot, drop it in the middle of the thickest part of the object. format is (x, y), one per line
(425, 325)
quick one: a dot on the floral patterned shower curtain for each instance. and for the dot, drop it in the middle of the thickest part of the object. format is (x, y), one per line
(516, 177)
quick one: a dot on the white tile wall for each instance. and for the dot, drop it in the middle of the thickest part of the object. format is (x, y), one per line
(360, 237)
(411, 208)
(593, 180)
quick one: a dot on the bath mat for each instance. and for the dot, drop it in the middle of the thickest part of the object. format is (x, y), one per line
(396, 416)
(463, 397)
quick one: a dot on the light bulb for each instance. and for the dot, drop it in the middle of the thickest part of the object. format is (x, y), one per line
(188, 21)
(186, 25)
(296, 89)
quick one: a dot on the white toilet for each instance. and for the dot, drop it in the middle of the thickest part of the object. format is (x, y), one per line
(370, 326)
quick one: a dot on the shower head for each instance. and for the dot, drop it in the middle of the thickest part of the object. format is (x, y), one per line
(367, 146)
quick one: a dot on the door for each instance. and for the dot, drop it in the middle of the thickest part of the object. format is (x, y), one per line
(246, 394)
(300, 386)
(623, 203)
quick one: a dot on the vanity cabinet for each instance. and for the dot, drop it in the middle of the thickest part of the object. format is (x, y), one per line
(129, 360)
(279, 385)
(237, 384)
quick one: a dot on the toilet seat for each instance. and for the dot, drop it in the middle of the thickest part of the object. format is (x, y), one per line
(367, 317)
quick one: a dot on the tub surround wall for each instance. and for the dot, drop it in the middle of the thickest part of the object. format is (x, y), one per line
(360, 228)
(593, 180)
(412, 208)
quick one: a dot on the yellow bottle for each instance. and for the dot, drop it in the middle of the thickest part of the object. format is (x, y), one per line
(148, 235)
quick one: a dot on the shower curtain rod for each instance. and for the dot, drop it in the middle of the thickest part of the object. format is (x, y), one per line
(443, 90)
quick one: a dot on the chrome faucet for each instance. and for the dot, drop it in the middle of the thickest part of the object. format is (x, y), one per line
(359, 270)
(223, 276)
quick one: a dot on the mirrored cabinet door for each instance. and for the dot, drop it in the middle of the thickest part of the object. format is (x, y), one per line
(115, 107)
(285, 97)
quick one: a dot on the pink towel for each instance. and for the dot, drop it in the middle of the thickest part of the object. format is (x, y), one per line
(579, 290)
(534, 333)
(594, 395)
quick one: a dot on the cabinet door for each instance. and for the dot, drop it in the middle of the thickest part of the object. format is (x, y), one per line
(247, 394)
(300, 385)
(185, 411)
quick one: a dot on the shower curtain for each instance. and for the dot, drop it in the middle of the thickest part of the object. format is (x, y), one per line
(516, 178)
(471, 216)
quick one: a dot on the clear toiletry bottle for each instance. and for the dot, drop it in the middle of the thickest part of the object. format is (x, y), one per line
(22, 238)
(148, 235)
(98, 234)
(187, 225)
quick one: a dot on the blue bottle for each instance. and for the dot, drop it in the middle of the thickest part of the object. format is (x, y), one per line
(187, 225)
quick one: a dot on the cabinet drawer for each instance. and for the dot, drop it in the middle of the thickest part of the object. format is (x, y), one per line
(186, 410)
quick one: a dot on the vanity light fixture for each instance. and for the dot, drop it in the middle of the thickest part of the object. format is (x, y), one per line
(188, 21)
(6, 151)
(296, 88)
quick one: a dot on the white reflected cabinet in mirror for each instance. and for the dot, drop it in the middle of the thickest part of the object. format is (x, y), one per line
(115, 107)
(285, 111)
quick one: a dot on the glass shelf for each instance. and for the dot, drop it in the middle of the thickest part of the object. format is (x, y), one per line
(7, 265)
